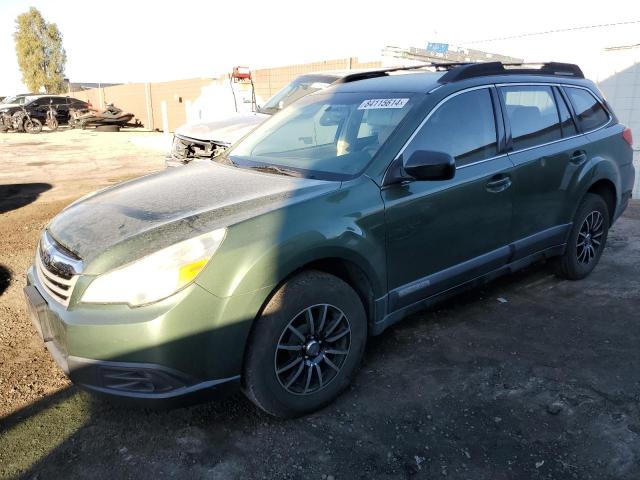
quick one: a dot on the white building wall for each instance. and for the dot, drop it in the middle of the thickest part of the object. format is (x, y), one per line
(618, 77)
(608, 54)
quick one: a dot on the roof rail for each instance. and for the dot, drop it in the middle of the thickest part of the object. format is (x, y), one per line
(462, 70)
(383, 72)
(481, 69)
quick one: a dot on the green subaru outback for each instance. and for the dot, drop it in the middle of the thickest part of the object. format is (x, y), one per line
(268, 267)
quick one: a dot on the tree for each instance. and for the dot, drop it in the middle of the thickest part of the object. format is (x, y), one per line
(41, 57)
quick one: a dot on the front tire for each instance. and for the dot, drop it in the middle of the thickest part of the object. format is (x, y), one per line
(587, 239)
(306, 346)
(32, 126)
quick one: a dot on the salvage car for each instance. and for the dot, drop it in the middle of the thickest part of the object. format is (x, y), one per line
(269, 267)
(38, 105)
(205, 140)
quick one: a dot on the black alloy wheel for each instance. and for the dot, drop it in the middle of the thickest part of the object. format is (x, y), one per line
(590, 237)
(312, 349)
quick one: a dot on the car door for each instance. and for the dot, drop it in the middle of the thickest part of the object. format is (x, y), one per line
(38, 108)
(548, 156)
(443, 233)
(61, 105)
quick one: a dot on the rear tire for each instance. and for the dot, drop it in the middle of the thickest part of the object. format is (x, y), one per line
(587, 239)
(306, 346)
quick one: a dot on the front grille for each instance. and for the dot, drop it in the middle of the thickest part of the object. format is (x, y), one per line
(58, 287)
(57, 271)
(185, 148)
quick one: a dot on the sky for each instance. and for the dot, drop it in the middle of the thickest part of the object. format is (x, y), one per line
(137, 41)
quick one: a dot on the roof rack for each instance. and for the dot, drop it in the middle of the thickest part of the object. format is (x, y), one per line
(462, 70)
(383, 72)
(481, 69)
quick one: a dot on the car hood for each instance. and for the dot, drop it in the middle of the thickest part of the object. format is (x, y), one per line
(228, 130)
(117, 225)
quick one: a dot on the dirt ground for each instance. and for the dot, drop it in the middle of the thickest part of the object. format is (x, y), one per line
(529, 377)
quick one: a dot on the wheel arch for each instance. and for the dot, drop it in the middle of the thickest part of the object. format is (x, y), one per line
(349, 272)
(347, 266)
(606, 182)
(340, 266)
(606, 189)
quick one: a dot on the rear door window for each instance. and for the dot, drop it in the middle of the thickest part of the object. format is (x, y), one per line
(464, 127)
(39, 102)
(533, 115)
(590, 112)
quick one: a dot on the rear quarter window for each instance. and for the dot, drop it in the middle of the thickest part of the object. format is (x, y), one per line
(589, 111)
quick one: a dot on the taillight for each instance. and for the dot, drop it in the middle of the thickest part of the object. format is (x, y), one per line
(628, 136)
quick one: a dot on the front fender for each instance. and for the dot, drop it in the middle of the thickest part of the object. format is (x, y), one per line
(346, 224)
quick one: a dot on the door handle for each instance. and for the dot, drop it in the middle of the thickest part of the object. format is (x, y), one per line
(498, 183)
(578, 157)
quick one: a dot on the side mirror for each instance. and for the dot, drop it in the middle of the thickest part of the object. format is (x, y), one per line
(429, 165)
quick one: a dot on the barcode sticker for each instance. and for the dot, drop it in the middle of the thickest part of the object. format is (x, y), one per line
(383, 103)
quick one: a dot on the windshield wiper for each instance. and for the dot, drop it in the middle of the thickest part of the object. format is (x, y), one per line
(225, 159)
(273, 169)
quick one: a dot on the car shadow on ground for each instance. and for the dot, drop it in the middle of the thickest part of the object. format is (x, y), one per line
(5, 278)
(17, 195)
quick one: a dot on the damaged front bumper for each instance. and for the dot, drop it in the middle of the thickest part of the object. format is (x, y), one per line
(186, 149)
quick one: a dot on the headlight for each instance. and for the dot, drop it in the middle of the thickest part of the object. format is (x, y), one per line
(177, 149)
(155, 276)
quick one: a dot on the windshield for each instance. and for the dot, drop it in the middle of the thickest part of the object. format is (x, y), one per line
(299, 88)
(325, 136)
(28, 100)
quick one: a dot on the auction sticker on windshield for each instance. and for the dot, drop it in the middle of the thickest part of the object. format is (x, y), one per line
(383, 103)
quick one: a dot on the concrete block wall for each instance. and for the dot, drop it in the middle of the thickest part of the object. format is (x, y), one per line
(145, 100)
(176, 94)
(269, 80)
(92, 96)
(131, 95)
